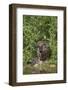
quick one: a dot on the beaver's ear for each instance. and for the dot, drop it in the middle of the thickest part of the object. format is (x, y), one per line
(46, 45)
(37, 46)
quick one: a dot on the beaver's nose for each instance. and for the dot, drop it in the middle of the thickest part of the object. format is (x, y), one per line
(40, 51)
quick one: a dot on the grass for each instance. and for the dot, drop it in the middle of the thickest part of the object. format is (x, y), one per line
(40, 68)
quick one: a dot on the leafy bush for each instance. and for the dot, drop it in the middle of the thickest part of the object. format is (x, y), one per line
(37, 28)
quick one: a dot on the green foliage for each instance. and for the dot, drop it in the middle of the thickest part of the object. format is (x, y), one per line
(37, 28)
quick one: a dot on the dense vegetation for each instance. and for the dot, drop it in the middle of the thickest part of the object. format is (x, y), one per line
(37, 28)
